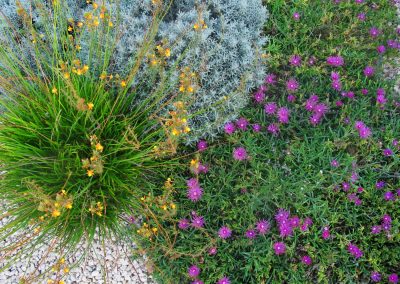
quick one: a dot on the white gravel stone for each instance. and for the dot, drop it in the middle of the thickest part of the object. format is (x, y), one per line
(119, 268)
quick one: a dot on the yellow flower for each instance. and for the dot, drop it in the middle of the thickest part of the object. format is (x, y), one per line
(68, 205)
(80, 24)
(167, 52)
(55, 213)
(175, 132)
(173, 206)
(99, 147)
(95, 5)
(85, 68)
(103, 76)
(62, 260)
(90, 173)
(78, 47)
(54, 90)
(110, 24)
(90, 106)
(123, 84)
(196, 26)
(155, 230)
(182, 89)
(66, 75)
(190, 89)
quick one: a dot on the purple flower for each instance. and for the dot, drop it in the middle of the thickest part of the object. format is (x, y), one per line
(198, 221)
(335, 76)
(306, 260)
(292, 85)
(193, 271)
(386, 219)
(183, 224)
(296, 16)
(270, 79)
(229, 128)
(259, 96)
(282, 215)
(335, 163)
(283, 115)
(386, 226)
(250, 234)
(364, 92)
(346, 186)
(359, 1)
(374, 32)
(335, 61)
(212, 251)
(306, 224)
(195, 193)
(362, 16)
(320, 109)
(369, 71)
(256, 127)
(224, 280)
(202, 145)
(285, 229)
(325, 233)
(240, 154)
(295, 60)
(336, 85)
(294, 221)
(354, 250)
(273, 129)
(279, 248)
(388, 196)
(381, 49)
(291, 98)
(224, 232)
(270, 108)
(365, 133)
(375, 276)
(242, 123)
(375, 229)
(380, 184)
(197, 281)
(387, 152)
(263, 227)
(311, 60)
(393, 278)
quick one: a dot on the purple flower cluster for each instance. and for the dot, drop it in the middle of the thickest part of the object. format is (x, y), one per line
(386, 225)
(194, 192)
(326, 233)
(336, 83)
(335, 61)
(318, 109)
(362, 129)
(354, 250)
(380, 97)
(279, 248)
(287, 224)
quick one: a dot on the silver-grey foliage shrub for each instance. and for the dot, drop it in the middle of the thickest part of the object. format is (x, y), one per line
(225, 55)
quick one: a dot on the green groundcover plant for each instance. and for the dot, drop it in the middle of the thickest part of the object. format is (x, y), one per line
(304, 187)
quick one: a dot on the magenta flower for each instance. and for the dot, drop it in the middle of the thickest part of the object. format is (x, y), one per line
(256, 127)
(291, 98)
(335, 76)
(224, 232)
(296, 16)
(285, 229)
(306, 260)
(193, 271)
(393, 278)
(376, 229)
(240, 154)
(354, 250)
(380, 184)
(294, 221)
(259, 96)
(279, 248)
(250, 234)
(375, 276)
(364, 92)
(198, 221)
(295, 60)
(195, 193)
(336, 85)
(389, 196)
(283, 115)
(212, 251)
(270, 79)
(242, 123)
(270, 108)
(282, 215)
(381, 49)
(335, 163)
(229, 128)
(306, 224)
(374, 32)
(369, 71)
(335, 61)
(292, 85)
(197, 281)
(224, 280)
(263, 227)
(273, 129)
(386, 219)
(326, 233)
(362, 16)
(183, 224)
(202, 145)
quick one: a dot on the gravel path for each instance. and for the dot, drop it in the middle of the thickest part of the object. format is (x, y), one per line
(104, 263)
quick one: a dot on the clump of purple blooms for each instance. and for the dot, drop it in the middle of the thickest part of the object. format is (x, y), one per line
(335, 61)
(318, 109)
(194, 192)
(362, 129)
(354, 250)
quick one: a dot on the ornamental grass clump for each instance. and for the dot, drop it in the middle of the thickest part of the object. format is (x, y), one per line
(77, 148)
